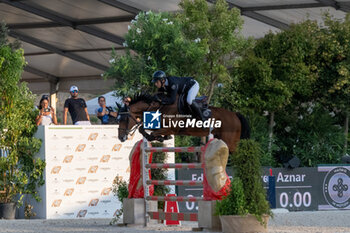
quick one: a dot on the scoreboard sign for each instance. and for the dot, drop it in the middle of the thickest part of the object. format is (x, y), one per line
(299, 189)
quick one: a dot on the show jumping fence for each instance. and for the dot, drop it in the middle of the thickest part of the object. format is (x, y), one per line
(160, 215)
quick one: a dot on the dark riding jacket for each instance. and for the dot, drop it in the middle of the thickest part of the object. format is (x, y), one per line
(175, 85)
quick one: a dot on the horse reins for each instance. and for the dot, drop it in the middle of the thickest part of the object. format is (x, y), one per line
(135, 127)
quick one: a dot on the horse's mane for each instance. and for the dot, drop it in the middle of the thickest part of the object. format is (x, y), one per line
(145, 97)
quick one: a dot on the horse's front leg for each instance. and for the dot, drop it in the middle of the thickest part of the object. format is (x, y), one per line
(162, 134)
(149, 137)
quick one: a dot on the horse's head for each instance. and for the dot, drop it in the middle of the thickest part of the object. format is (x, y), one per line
(130, 117)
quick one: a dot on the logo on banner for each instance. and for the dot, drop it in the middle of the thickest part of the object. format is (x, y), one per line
(80, 168)
(92, 180)
(105, 158)
(81, 214)
(117, 147)
(93, 169)
(68, 214)
(151, 120)
(105, 168)
(93, 136)
(56, 170)
(69, 192)
(81, 202)
(68, 159)
(106, 201)
(94, 202)
(94, 213)
(106, 191)
(92, 158)
(56, 203)
(80, 148)
(336, 187)
(93, 191)
(68, 180)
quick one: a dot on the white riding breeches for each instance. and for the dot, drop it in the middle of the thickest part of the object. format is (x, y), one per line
(192, 93)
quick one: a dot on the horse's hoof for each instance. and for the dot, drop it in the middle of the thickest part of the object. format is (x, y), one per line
(167, 137)
(160, 139)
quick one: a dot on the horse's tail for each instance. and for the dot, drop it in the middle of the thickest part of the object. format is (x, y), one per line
(245, 129)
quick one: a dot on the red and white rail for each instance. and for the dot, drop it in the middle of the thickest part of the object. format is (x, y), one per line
(146, 182)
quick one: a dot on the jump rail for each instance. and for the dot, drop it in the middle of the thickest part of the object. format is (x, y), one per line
(146, 182)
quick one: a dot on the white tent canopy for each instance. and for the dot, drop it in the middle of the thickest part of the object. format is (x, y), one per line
(111, 100)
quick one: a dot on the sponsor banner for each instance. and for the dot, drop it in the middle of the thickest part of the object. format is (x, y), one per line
(299, 189)
(81, 164)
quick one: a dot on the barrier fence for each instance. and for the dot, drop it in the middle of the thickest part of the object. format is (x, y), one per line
(146, 182)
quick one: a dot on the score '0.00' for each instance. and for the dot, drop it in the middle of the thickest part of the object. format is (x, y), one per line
(298, 200)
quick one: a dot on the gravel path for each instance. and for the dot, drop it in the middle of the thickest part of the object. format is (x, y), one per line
(293, 222)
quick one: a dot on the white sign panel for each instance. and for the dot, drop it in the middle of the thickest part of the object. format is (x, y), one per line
(81, 164)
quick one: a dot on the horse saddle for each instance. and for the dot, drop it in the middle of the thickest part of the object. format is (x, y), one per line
(185, 109)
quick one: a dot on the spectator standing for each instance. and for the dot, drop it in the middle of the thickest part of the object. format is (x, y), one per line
(77, 108)
(105, 113)
(47, 114)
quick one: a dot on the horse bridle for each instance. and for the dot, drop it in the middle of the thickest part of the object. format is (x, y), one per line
(136, 126)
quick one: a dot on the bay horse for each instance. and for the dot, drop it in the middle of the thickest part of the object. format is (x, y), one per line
(233, 125)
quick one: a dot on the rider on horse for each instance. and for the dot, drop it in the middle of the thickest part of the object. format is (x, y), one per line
(171, 86)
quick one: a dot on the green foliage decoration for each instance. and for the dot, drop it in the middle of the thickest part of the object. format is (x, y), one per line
(119, 189)
(235, 202)
(246, 161)
(20, 172)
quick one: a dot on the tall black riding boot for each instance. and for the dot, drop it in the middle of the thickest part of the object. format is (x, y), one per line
(197, 111)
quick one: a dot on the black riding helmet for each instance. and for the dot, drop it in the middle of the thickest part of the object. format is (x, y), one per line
(158, 75)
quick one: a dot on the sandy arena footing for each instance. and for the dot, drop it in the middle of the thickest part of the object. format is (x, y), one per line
(290, 222)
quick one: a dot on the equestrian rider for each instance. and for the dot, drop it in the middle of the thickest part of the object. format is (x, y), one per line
(171, 86)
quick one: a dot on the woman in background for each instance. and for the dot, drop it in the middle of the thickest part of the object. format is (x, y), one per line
(47, 114)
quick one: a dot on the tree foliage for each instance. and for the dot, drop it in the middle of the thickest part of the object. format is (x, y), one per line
(154, 42)
(218, 30)
(20, 172)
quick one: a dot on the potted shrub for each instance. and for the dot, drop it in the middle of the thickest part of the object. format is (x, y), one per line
(20, 172)
(245, 209)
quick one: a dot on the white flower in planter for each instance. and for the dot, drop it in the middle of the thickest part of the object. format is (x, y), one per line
(138, 30)
(197, 40)
(125, 44)
(111, 61)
